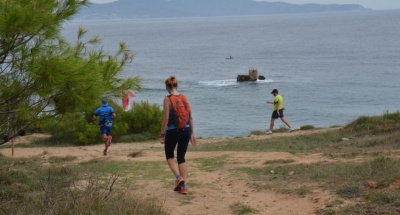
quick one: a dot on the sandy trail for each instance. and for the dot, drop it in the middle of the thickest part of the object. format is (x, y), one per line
(217, 190)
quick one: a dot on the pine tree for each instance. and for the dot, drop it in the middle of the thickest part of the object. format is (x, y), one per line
(42, 75)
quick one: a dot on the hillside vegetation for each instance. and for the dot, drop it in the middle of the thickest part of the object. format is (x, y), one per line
(358, 165)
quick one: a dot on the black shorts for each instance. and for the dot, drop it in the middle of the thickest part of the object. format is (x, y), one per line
(275, 114)
(180, 138)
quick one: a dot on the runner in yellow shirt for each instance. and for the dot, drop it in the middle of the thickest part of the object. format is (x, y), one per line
(278, 111)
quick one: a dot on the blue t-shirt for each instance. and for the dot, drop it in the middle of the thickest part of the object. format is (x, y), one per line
(105, 114)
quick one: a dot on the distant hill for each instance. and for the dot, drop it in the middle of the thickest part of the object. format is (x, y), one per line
(128, 9)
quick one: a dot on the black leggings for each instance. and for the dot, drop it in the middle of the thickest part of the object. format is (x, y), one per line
(174, 137)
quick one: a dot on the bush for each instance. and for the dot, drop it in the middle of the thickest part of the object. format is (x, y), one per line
(142, 122)
(307, 127)
(72, 128)
(143, 117)
(387, 123)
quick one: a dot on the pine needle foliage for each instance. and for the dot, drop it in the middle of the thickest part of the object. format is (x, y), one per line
(42, 75)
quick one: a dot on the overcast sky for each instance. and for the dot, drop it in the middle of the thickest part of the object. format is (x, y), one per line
(374, 4)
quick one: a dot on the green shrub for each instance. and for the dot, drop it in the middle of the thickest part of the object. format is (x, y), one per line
(387, 123)
(137, 137)
(392, 116)
(72, 128)
(143, 117)
(141, 123)
(307, 127)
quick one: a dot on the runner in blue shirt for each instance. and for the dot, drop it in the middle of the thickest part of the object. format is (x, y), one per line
(106, 116)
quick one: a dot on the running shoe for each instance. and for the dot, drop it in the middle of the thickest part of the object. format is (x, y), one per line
(104, 152)
(291, 130)
(183, 190)
(178, 184)
(269, 132)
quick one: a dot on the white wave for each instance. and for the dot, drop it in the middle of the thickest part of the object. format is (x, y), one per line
(219, 83)
(230, 82)
(265, 81)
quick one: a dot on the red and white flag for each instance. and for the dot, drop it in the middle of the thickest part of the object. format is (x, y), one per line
(126, 104)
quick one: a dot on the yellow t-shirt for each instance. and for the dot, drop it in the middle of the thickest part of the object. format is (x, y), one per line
(278, 100)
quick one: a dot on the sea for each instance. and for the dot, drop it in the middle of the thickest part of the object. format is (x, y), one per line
(330, 68)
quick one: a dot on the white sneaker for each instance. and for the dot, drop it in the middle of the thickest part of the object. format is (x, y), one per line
(269, 132)
(291, 130)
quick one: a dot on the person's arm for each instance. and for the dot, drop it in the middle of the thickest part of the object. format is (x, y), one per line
(95, 114)
(113, 115)
(277, 108)
(270, 102)
(165, 119)
(192, 136)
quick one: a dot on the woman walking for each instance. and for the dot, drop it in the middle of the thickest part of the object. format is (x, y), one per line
(177, 131)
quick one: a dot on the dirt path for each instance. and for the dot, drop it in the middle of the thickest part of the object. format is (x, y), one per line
(217, 190)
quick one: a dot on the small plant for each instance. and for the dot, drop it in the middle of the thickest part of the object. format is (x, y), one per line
(303, 190)
(350, 191)
(242, 209)
(135, 154)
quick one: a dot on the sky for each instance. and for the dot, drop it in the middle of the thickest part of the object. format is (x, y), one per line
(373, 4)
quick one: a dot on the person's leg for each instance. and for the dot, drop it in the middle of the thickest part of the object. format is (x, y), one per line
(105, 140)
(169, 147)
(271, 124)
(109, 137)
(274, 116)
(104, 137)
(184, 138)
(286, 122)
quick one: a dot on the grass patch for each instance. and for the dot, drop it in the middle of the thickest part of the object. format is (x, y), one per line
(47, 142)
(138, 170)
(301, 191)
(295, 144)
(351, 155)
(257, 133)
(365, 133)
(29, 188)
(383, 169)
(280, 161)
(242, 209)
(135, 154)
(374, 180)
(137, 137)
(67, 158)
(210, 164)
(350, 190)
(307, 127)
